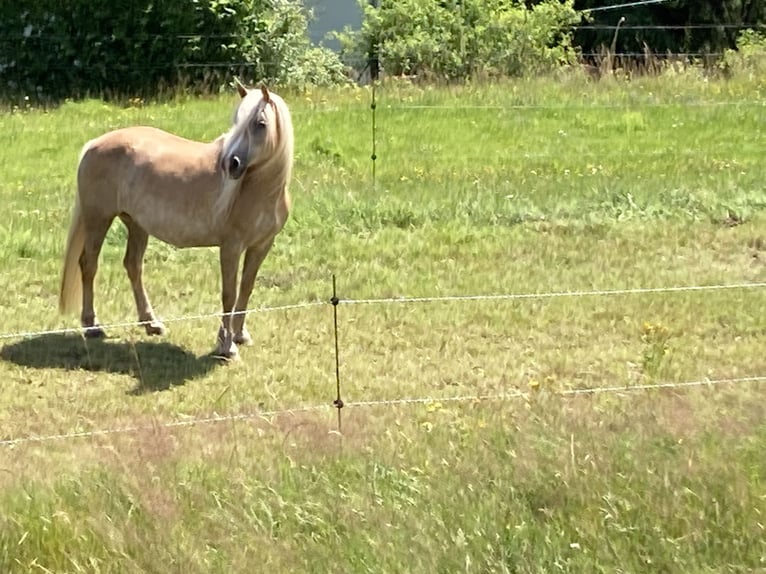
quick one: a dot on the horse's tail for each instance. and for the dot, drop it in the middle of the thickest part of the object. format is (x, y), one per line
(70, 294)
(71, 278)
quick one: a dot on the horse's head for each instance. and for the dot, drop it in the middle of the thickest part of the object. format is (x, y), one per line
(252, 133)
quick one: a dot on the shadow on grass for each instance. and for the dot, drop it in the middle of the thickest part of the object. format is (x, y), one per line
(156, 366)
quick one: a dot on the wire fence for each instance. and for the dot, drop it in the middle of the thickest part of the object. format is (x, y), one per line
(339, 404)
(336, 301)
(403, 300)
(233, 37)
(47, 37)
(669, 27)
(397, 105)
(228, 67)
(180, 319)
(360, 63)
(648, 103)
(625, 5)
(243, 66)
(400, 402)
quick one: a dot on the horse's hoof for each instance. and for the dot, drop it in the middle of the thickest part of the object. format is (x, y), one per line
(155, 328)
(232, 355)
(243, 338)
(227, 353)
(94, 332)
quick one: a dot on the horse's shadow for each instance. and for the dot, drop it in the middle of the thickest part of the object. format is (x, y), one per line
(156, 366)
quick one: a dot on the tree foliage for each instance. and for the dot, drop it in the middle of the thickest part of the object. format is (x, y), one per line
(458, 39)
(749, 57)
(64, 48)
(687, 26)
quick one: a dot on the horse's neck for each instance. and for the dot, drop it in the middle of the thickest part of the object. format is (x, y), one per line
(259, 189)
(262, 204)
(256, 203)
(218, 142)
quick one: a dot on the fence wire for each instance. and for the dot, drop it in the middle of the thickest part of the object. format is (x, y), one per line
(624, 5)
(21, 36)
(691, 26)
(397, 106)
(166, 425)
(239, 67)
(403, 300)
(183, 318)
(401, 402)
(581, 106)
(552, 294)
(338, 403)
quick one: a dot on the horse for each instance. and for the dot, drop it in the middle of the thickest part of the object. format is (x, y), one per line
(231, 193)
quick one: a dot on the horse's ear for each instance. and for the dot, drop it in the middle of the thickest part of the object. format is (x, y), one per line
(240, 87)
(265, 92)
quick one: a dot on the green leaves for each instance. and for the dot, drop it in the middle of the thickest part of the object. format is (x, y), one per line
(459, 40)
(131, 48)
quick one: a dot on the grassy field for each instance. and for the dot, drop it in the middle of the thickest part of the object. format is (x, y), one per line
(523, 187)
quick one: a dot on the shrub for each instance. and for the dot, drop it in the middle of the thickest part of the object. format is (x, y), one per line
(69, 48)
(750, 56)
(275, 43)
(459, 39)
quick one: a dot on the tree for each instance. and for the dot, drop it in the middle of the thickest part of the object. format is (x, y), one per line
(690, 26)
(53, 49)
(459, 39)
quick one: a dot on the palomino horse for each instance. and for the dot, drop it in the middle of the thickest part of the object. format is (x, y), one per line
(230, 193)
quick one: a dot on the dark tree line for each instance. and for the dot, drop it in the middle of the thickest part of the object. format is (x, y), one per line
(54, 49)
(682, 26)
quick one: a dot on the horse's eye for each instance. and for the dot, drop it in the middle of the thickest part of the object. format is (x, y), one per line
(261, 124)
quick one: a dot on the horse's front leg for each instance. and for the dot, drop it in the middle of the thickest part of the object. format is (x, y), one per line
(254, 257)
(229, 258)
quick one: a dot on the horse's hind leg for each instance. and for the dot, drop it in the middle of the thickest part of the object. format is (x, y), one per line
(94, 239)
(134, 265)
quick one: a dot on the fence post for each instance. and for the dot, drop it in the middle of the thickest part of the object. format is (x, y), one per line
(374, 155)
(338, 402)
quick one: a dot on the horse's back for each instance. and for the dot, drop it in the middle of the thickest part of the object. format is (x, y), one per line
(164, 182)
(148, 157)
(142, 144)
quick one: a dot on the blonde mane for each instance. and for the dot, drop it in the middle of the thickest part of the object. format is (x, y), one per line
(270, 173)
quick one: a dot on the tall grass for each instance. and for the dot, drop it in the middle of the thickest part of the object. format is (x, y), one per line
(529, 186)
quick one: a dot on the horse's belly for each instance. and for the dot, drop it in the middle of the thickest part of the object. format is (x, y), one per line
(175, 227)
(190, 235)
(179, 221)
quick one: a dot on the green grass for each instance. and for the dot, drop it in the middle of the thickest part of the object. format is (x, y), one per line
(521, 187)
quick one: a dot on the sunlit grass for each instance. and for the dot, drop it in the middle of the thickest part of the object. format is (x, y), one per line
(534, 186)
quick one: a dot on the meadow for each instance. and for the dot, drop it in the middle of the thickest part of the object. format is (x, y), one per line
(520, 187)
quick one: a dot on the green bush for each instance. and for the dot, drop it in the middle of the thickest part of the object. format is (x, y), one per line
(52, 49)
(459, 39)
(275, 45)
(750, 56)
